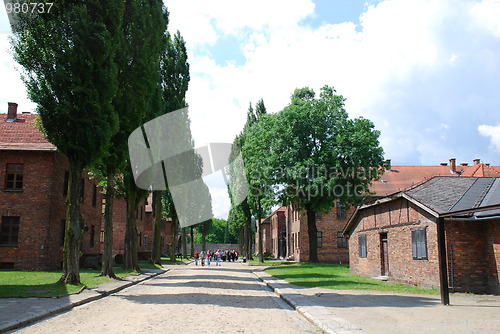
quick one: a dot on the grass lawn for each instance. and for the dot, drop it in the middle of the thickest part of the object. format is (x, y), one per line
(333, 276)
(272, 262)
(42, 283)
(166, 260)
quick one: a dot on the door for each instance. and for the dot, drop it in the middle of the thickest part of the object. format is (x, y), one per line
(384, 256)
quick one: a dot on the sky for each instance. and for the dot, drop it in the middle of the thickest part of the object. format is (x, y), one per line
(426, 72)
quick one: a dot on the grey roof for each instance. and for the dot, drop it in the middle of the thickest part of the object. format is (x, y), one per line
(491, 198)
(441, 193)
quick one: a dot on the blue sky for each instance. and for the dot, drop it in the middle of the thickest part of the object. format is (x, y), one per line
(426, 72)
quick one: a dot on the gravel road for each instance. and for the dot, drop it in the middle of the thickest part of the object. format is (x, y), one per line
(187, 299)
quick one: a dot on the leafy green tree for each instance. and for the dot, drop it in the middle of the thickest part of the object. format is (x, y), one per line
(239, 218)
(174, 80)
(204, 229)
(217, 234)
(255, 153)
(321, 156)
(69, 67)
(142, 41)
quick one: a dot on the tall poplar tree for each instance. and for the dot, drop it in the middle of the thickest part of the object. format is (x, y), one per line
(68, 56)
(174, 81)
(140, 46)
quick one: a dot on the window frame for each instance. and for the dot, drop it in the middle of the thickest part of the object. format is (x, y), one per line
(341, 240)
(16, 170)
(419, 243)
(10, 223)
(319, 239)
(341, 213)
(362, 246)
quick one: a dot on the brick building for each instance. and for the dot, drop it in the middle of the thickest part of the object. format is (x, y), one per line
(33, 189)
(266, 236)
(396, 236)
(332, 245)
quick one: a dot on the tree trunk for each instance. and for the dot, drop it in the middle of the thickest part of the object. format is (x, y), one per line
(242, 240)
(204, 241)
(192, 241)
(74, 224)
(313, 234)
(184, 243)
(248, 239)
(107, 254)
(156, 247)
(259, 218)
(131, 260)
(173, 241)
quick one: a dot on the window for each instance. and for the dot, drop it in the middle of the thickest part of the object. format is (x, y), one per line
(362, 245)
(320, 239)
(101, 237)
(341, 240)
(9, 231)
(92, 233)
(341, 210)
(66, 182)
(14, 177)
(419, 243)
(139, 236)
(94, 196)
(145, 240)
(318, 215)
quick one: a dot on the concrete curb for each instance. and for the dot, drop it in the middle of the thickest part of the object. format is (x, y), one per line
(318, 315)
(94, 294)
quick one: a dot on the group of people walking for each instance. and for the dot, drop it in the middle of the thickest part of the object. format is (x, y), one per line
(217, 256)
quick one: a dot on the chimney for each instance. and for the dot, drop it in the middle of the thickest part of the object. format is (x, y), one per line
(453, 166)
(12, 112)
(464, 164)
(444, 164)
(388, 165)
(476, 161)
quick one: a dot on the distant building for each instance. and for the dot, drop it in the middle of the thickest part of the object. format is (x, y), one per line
(332, 244)
(396, 236)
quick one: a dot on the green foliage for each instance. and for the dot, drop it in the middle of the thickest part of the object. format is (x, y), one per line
(70, 71)
(219, 233)
(319, 154)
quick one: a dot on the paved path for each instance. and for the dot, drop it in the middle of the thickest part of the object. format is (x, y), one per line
(186, 299)
(342, 311)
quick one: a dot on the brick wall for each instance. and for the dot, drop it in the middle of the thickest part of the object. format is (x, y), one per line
(473, 248)
(40, 207)
(327, 223)
(395, 218)
(473, 255)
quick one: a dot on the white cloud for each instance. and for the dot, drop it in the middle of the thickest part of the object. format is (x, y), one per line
(493, 132)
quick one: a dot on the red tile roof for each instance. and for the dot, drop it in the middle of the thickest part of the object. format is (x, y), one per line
(402, 177)
(22, 134)
(482, 170)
